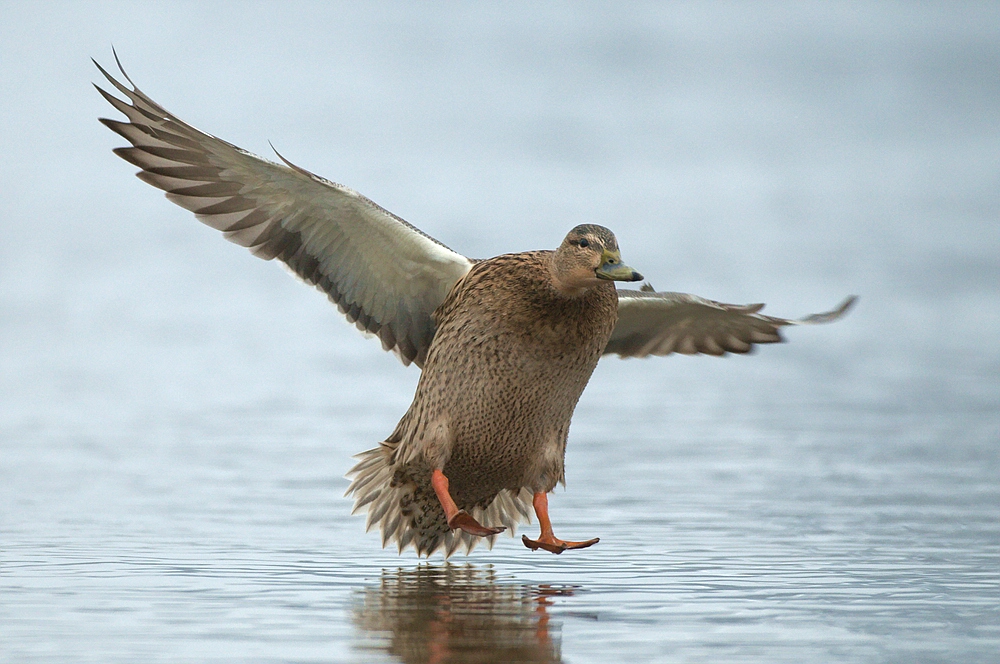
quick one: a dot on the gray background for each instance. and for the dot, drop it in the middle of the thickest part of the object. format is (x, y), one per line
(176, 415)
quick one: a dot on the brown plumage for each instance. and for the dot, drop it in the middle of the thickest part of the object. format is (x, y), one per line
(509, 360)
(507, 345)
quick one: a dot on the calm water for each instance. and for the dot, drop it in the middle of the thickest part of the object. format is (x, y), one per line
(176, 416)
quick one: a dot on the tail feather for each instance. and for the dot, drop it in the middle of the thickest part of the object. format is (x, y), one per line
(408, 512)
(377, 512)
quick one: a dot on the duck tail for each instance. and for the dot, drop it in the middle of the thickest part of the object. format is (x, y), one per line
(403, 504)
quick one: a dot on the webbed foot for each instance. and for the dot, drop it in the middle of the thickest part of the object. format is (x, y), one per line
(458, 519)
(464, 520)
(547, 540)
(556, 545)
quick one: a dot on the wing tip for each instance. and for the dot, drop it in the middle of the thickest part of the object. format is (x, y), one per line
(834, 314)
(111, 78)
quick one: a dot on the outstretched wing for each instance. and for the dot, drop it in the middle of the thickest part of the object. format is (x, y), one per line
(386, 276)
(651, 323)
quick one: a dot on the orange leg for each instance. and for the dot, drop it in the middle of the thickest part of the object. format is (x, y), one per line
(458, 518)
(547, 540)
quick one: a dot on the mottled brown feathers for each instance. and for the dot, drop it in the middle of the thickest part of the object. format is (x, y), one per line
(508, 363)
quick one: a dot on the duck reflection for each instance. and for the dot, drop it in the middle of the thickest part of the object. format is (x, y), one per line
(457, 613)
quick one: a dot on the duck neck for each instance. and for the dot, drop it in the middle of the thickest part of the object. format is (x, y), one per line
(563, 282)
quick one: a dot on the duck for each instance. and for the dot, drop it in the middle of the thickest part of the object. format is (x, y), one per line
(506, 345)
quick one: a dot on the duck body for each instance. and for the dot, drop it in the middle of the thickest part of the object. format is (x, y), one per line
(509, 360)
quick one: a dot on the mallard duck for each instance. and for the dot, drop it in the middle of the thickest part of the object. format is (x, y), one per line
(506, 344)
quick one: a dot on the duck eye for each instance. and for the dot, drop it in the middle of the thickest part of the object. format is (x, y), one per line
(584, 243)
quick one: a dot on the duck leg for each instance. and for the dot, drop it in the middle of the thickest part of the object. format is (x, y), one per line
(547, 540)
(458, 518)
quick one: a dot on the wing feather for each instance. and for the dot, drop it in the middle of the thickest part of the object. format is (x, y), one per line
(385, 275)
(651, 323)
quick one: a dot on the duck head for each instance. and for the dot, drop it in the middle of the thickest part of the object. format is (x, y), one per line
(588, 257)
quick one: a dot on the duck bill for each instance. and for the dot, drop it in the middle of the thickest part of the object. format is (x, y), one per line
(617, 272)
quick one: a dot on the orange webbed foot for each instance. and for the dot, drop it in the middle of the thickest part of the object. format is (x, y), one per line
(547, 540)
(463, 520)
(556, 545)
(458, 519)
